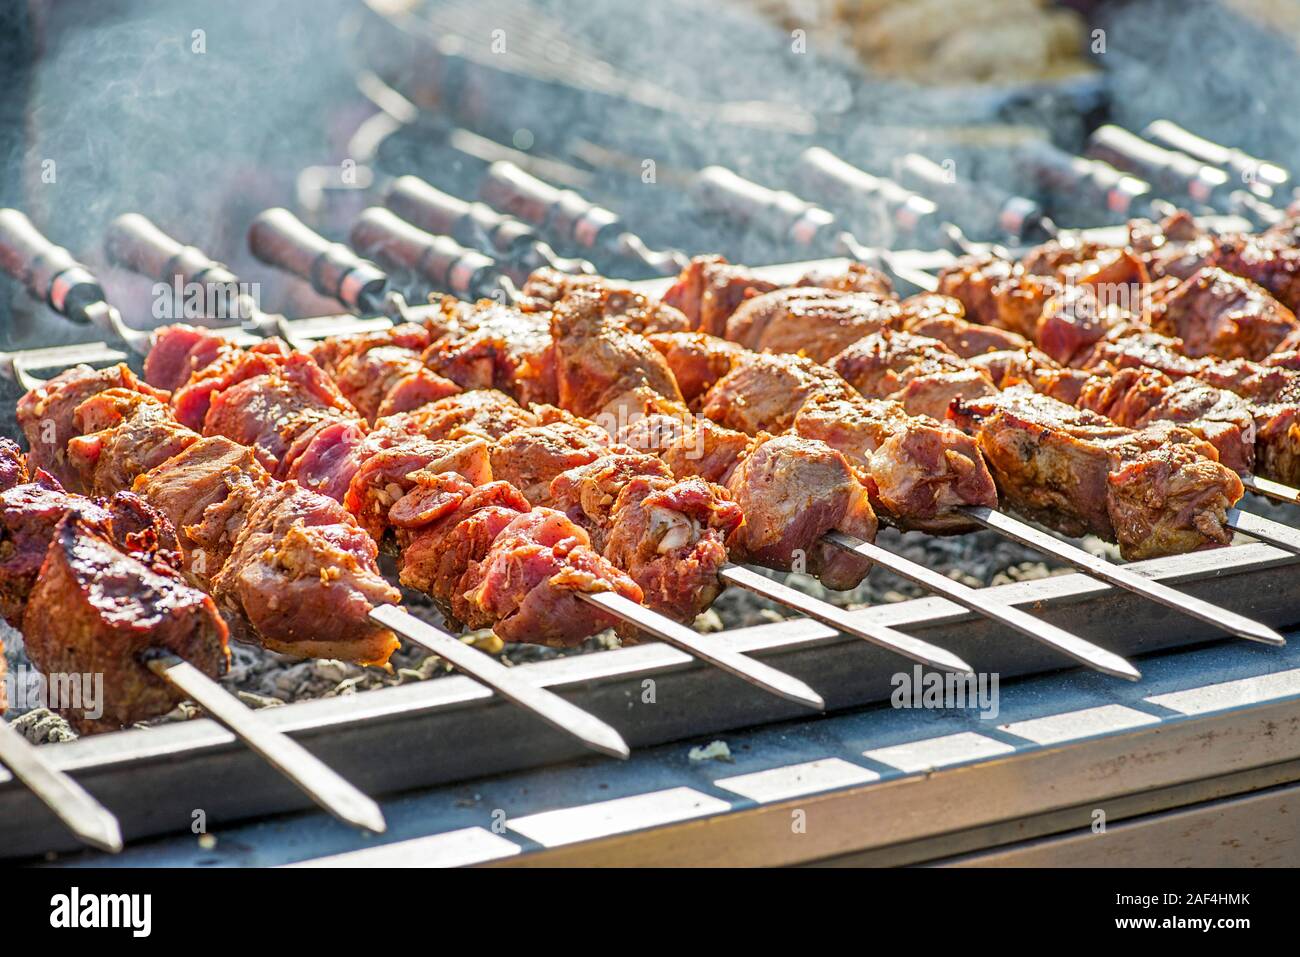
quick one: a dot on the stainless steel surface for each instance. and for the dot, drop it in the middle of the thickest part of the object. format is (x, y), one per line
(846, 621)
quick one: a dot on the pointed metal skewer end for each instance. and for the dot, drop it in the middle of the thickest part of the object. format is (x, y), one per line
(1064, 641)
(546, 704)
(846, 621)
(89, 820)
(1121, 577)
(679, 636)
(317, 780)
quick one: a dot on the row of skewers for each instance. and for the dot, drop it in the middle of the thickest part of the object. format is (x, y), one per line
(590, 331)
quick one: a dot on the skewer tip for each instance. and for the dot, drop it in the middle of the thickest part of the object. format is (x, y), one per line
(100, 831)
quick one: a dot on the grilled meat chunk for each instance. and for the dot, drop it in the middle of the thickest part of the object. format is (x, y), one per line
(445, 525)
(529, 458)
(484, 412)
(498, 347)
(1136, 398)
(97, 610)
(603, 371)
(1036, 368)
(122, 434)
(709, 289)
(917, 469)
(278, 413)
(924, 374)
(762, 392)
(586, 494)
(697, 360)
(632, 310)
(813, 322)
(996, 292)
(300, 573)
(944, 321)
(388, 379)
(670, 537)
(1156, 491)
(689, 446)
(385, 474)
(1269, 259)
(792, 491)
(528, 584)
(1215, 313)
(45, 415)
(856, 277)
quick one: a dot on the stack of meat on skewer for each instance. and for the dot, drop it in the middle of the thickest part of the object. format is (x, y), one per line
(589, 439)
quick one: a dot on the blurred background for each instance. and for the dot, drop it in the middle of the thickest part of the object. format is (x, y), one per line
(200, 114)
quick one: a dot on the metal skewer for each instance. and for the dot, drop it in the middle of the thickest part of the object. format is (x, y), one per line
(308, 772)
(547, 705)
(846, 621)
(89, 820)
(1121, 577)
(575, 220)
(1266, 530)
(699, 646)
(478, 226)
(1077, 648)
(1271, 489)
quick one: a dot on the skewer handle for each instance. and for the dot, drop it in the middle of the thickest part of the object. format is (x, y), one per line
(278, 238)
(135, 243)
(871, 200)
(48, 272)
(439, 261)
(320, 782)
(475, 224)
(778, 212)
(572, 217)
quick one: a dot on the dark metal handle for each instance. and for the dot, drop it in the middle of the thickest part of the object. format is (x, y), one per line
(135, 243)
(1172, 172)
(278, 238)
(473, 224)
(1247, 168)
(834, 181)
(438, 260)
(568, 215)
(778, 212)
(1092, 181)
(48, 272)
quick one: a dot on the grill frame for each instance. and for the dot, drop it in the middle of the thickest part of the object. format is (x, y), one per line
(464, 732)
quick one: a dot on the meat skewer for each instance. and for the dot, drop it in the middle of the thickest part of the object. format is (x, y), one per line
(822, 611)
(1071, 644)
(1211, 311)
(805, 321)
(752, 671)
(349, 551)
(97, 587)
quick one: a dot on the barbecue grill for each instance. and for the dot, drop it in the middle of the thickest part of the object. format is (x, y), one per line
(656, 694)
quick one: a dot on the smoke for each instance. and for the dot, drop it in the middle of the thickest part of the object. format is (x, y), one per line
(197, 113)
